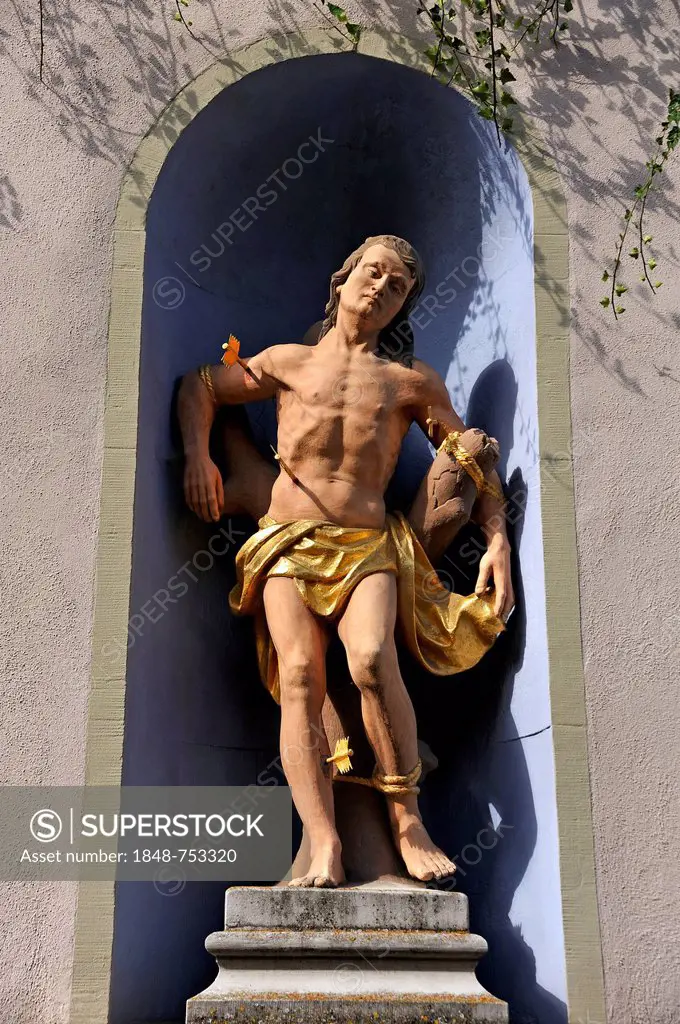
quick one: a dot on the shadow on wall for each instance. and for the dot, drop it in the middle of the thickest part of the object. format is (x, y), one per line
(263, 196)
(481, 796)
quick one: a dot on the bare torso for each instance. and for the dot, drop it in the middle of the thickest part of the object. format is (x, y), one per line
(342, 416)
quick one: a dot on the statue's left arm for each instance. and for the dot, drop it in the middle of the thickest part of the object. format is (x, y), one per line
(436, 416)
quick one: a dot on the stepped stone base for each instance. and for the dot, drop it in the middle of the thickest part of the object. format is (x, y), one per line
(375, 954)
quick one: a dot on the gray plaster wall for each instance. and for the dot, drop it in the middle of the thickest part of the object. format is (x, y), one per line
(110, 70)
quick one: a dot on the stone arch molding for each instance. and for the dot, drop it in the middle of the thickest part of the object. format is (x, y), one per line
(95, 914)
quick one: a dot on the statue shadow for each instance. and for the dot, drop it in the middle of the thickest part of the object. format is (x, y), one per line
(478, 804)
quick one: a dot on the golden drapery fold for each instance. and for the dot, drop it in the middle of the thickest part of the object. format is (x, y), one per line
(446, 632)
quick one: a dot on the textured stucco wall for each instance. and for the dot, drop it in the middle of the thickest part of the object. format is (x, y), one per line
(111, 68)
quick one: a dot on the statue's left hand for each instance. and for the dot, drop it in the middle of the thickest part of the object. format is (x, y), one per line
(495, 567)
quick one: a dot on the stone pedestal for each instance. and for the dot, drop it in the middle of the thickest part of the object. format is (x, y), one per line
(380, 953)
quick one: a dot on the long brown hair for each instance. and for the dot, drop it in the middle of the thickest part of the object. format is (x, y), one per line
(396, 339)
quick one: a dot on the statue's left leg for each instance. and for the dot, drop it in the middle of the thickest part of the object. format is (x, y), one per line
(367, 632)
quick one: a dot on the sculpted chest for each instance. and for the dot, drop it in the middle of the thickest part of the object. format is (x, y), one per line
(332, 388)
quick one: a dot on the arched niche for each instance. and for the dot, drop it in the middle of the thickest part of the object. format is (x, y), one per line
(241, 234)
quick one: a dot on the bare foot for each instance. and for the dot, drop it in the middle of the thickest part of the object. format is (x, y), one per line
(325, 871)
(422, 858)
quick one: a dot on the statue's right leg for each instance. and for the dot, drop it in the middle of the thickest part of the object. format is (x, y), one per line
(300, 641)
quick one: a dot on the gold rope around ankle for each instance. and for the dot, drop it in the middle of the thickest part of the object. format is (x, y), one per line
(390, 785)
(452, 446)
(205, 373)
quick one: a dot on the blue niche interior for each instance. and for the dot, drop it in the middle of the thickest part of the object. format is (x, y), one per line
(395, 153)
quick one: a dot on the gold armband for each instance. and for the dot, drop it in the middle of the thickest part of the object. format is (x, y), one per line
(451, 444)
(205, 373)
(495, 492)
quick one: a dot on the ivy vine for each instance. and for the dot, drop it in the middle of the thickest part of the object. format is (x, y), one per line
(666, 142)
(474, 44)
(475, 41)
(338, 18)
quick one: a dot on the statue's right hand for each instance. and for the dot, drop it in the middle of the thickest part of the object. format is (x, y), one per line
(203, 488)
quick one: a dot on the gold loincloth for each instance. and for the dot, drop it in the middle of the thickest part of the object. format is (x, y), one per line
(446, 632)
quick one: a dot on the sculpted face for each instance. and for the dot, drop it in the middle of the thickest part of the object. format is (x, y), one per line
(377, 287)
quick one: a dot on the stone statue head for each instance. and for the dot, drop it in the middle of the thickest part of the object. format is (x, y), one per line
(395, 340)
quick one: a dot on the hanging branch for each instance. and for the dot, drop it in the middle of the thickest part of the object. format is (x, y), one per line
(550, 9)
(349, 29)
(179, 16)
(41, 15)
(494, 103)
(451, 55)
(666, 144)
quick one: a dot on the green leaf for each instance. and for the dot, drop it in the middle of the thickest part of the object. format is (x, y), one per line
(651, 263)
(354, 30)
(628, 214)
(486, 113)
(480, 89)
(635, 252)
(506, 76)
(506, 124)
(506, 99)
(621, 288)
(177, 16)
(337, 12)
(518, 22)
(605, 301)
(619, 309)
(657, 284)
(605, 276)
(568, 6)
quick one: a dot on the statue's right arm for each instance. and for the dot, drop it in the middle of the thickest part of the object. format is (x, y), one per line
(196, 408)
